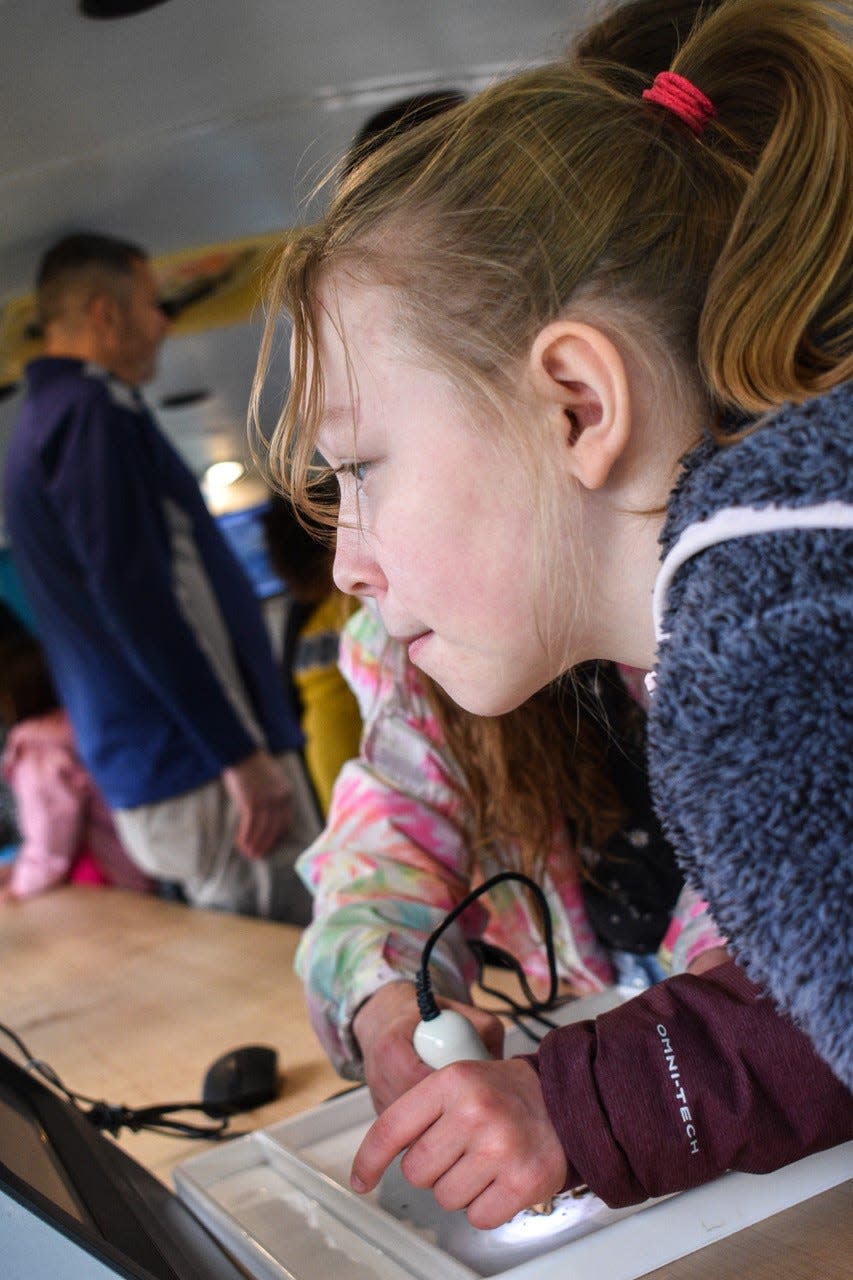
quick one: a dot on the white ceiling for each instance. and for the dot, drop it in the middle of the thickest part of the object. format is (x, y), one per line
(207, 120)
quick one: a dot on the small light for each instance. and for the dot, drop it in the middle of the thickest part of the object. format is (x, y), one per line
(116, 8)
(219, 475)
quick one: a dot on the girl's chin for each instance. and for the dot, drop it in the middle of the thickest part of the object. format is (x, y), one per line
(478, 699)
(474, 685)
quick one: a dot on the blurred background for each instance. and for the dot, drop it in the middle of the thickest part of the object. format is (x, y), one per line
(198, 128)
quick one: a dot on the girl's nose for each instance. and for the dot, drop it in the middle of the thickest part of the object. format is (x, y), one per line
(357, 570)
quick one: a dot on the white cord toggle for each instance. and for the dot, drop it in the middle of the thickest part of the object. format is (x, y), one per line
(448, 1038)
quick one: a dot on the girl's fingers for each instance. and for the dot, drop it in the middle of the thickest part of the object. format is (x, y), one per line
(395, 1130)
(494, 1206)
(478, 1133)
(464, 1184)
(437, 1154)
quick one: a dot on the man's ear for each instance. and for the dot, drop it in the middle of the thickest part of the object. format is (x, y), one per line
(104, 326)
(102, 312)
(579, 377)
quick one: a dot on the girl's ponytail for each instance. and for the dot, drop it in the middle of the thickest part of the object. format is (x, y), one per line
(775, 324)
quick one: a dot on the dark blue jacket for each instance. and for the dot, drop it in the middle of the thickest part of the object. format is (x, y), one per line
(751, 724)
(87, 479)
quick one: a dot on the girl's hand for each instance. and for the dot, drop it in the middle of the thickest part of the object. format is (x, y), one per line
(384, 1026)
(708, 960)
(478, 1133)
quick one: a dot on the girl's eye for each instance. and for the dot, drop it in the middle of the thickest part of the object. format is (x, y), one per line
(358, 470)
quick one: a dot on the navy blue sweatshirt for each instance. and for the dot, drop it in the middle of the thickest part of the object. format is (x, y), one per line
(88, 482)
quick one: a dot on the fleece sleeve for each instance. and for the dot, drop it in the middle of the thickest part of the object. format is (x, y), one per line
(692, 1077)
(750, 750)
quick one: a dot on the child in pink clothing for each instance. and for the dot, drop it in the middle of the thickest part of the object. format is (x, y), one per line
(67, 830)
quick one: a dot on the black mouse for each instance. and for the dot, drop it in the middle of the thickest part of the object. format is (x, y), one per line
(240, 1080)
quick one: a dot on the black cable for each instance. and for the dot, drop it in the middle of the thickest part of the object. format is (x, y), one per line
(113, 1118)
(487, 954)
(423, 986)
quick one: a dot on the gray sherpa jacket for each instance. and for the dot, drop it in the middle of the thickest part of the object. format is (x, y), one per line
(751, 723)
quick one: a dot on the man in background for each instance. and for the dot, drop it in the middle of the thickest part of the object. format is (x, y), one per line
(155, 639)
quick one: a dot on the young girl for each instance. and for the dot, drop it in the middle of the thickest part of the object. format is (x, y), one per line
(67, 829)
(437, 801)
(587, 318)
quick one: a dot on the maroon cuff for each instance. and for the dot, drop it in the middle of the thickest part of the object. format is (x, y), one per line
(692, 1077)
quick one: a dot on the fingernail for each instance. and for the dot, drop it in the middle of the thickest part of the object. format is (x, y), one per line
(357, 1184)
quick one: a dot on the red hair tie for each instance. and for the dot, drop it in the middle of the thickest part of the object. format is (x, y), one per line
(682, 98)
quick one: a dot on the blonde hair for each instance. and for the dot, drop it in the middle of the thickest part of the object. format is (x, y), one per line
(726, 256)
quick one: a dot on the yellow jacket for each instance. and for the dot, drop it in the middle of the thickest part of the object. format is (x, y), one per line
(330, 718)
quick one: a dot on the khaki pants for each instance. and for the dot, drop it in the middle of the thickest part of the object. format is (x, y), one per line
(190, 839)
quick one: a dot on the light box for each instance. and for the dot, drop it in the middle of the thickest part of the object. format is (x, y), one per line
(279, 1200)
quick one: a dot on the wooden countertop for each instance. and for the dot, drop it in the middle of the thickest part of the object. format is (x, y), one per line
(130, 999)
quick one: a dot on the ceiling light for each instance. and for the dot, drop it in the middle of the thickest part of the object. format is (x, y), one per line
(115, 8)
(219, 475)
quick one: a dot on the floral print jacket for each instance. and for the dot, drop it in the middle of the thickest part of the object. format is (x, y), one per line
(393, 860)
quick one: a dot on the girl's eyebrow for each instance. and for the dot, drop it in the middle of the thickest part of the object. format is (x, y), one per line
(335, 418)
(336, 431)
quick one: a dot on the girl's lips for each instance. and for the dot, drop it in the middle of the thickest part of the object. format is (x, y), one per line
(417, 644)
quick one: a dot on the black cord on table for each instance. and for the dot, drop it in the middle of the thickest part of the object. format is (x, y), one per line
(115, 1117)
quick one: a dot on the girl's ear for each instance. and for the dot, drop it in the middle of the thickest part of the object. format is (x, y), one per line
(579, 378)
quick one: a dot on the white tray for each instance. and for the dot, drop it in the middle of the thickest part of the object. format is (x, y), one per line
(279, 1201)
